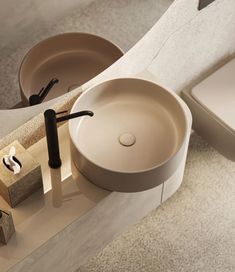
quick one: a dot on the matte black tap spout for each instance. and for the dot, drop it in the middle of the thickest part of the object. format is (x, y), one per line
(74, 115)
(52, 133)
(38, 98)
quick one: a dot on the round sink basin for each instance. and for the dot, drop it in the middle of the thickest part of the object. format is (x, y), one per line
(72, 58)
(134, 140)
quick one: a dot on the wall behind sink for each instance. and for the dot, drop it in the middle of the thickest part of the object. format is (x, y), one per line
(24, 18)
(26, 22)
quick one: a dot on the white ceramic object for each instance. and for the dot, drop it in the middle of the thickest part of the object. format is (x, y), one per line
(212, 103)
(136, 139)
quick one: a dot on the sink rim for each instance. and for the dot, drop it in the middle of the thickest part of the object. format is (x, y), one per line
(149, 169)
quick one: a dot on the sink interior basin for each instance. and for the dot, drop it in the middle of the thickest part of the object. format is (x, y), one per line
(133, 142)
(72, 58)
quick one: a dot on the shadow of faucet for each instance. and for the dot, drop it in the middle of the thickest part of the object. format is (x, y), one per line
(56, 187)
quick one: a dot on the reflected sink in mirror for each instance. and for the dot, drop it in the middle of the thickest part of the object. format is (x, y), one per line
(134, 140)
(71, 58)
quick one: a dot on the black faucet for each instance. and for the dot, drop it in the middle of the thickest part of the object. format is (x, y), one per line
(38, 98)
(52, 133)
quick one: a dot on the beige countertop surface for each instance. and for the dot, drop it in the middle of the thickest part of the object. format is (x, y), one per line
(65, 197)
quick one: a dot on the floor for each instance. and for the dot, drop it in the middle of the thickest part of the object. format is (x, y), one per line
(192, 231)
(123, 22)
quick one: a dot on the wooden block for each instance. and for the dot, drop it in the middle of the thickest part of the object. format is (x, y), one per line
(15, 188)
(7, 228)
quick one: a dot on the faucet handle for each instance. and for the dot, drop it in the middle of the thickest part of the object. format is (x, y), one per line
(61, 112)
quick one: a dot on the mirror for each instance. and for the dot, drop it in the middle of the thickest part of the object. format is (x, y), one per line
(63, 62)
(23, 25)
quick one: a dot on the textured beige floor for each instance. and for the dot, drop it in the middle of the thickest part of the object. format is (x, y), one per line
(123, 22)
(193, 231)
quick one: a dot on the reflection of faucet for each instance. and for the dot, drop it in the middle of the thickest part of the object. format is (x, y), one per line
(52, 133)
(38, 98)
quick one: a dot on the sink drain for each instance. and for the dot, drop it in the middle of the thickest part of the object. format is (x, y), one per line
(127, 139)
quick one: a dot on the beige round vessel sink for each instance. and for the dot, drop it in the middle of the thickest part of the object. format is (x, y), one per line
(134, 140)
(72, 58)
